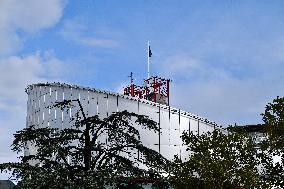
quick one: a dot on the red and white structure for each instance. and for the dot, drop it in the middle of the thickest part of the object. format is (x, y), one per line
(155, 89)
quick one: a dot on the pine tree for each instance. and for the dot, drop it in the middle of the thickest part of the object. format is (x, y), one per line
(92, 153)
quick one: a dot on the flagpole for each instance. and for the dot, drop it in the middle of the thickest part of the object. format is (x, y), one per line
(148, 60)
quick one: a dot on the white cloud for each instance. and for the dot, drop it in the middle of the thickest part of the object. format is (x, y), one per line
(190, 68)
(9, 41)
(28, 16)
(16, 73)
(18, 18)
(75, 31)
(219, 94)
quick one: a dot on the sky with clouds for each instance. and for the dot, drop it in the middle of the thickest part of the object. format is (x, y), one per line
(225, 58)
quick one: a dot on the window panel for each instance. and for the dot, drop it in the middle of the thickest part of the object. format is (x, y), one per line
(204, 128)
(175, 137)
(112, 104)
(151, 111)
(102, 105)
(47, 116)
(84, 100)
(75, 110)
(169, 151)
(194, 126)
(148, 137)
(165, 137)
(127, 104)
(174, 121)
(165, 120)
(184, 154)
(184, 123)
(66, 112)
(92, 108)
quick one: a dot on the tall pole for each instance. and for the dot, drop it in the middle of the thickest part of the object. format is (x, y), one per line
(148, 55)
(131, 77)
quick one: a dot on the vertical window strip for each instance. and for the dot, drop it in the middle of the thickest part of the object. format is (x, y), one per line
(107, 104)
(97, 105)
(62, 119)
(188, 124)
(159, 128)
(198, 127)
(88, 103)
(117, 103)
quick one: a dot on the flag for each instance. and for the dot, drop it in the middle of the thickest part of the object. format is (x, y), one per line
(150, 52)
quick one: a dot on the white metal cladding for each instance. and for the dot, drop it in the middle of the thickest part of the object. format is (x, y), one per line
(171, 121)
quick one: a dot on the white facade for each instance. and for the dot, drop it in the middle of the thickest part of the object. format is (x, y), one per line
(172, 121)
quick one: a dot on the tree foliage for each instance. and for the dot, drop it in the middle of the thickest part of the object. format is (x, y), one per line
(219, 159)
(231, 158)
(90, 154)
(273, 147)
(94, 152)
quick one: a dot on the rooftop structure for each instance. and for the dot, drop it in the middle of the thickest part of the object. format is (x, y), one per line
(256, 132)
(155, 89)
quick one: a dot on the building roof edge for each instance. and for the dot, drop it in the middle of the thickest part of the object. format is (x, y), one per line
(172, 109)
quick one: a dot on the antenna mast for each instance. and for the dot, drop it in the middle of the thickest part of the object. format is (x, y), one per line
(155, 89)
(131, 77)
(149, 55)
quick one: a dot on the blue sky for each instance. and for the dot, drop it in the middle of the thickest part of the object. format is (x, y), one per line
(225, 57)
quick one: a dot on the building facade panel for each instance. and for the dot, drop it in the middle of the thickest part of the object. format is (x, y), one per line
(126, 104)
(84, 100)
(102, 105)
(75, 108)
(172, 122)
(194, 126)
(169, 151)
(66, 95)
(164, 119)
(93, 104)
(112, 104)
(175, 137)
(204, 128)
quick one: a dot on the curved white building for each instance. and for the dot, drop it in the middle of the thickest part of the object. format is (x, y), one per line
(172, 121)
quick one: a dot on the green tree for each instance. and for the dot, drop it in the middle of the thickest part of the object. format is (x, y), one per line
(217, 160)
(273, 145)
(230, 158)
(90, 154)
